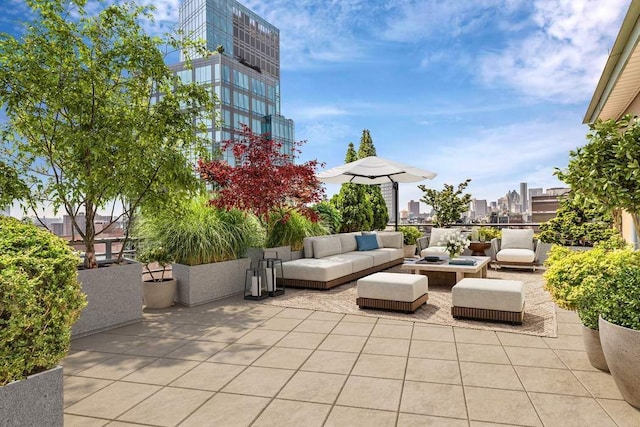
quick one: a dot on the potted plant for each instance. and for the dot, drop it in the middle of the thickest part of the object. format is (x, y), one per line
(158, 291)
(567, 272)
(287, 230)
(206, 244)
(132, 150)
(40, 298)
(616, 295)
(411, 236)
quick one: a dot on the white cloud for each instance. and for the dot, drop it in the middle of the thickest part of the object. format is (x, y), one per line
(563, 57)
(316, 112)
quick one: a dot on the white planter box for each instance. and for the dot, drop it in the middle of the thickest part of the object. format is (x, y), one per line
(200, 284)
(114, 296)
(34, 401)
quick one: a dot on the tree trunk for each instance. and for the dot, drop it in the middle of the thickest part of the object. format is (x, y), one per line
(636, 226)
(90, 260)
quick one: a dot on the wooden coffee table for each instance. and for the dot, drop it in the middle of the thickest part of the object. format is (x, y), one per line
(448, 274)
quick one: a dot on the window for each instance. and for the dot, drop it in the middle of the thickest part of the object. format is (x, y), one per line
(185, 76)
(241, 119)
(203, 74)
(259, 108)
(257, 87)
(240, 79)
(241, 101)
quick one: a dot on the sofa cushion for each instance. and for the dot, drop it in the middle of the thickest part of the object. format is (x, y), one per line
(326, 246)
(321, 270)
(378, 239)
(348, 241)
(516, 255)
(307, 244)
(358, 261)
(394, 253)
(517, 239)
(367, 242)
(438, 234)
(391, 239)
(380, 256)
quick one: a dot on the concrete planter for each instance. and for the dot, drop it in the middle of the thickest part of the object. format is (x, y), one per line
(591, 339)
(621, 348)
(297, 254)
(114, 296)
(200, 284)
(159, 294)
(409, 251)
(34, 401)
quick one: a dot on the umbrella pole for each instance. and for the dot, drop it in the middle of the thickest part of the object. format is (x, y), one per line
(395, 202)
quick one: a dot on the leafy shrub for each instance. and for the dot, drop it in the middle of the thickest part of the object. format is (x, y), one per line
(290, 227)
(411, 234)
(487, 233)
(330, 216)
(613, 294)
(157, 254)
(40, 299)
(575, 224)
(195, 233)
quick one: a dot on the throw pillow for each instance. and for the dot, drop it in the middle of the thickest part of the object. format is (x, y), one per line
(378, 239)
(367, 242)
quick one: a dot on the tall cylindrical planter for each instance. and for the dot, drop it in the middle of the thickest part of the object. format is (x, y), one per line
(621, 348)
(591, 339)
(159, 294)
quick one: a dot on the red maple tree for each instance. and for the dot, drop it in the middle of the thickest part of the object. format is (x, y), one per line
(264, 178)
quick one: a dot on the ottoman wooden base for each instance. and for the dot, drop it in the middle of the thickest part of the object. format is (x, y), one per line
(383, 304)
(514, 317)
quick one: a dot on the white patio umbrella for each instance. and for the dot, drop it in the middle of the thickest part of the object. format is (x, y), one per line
(376, 170)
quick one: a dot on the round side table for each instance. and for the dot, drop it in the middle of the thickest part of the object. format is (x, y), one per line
(478, 248)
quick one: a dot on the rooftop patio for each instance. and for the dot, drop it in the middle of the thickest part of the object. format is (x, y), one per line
(241, 363)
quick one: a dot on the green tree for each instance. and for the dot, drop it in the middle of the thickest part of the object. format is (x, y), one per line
(607, 169)
(11, 187)
(353, 203)
(82, 130)
(577, 224)
(448, 204)
(374, 193)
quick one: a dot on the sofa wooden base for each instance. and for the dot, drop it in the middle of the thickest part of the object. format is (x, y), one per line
(313, 284)
(513, 317)
(383, 304)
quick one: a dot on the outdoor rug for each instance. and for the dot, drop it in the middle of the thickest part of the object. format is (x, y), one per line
(539, 318)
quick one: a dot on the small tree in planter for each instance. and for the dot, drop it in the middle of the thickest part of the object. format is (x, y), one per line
(614, 296)
(264, 180)
(448, 204)
(82, 130)
(411, 236)
(40, 299)
(290, 228)
(567, 272)
(159, 291)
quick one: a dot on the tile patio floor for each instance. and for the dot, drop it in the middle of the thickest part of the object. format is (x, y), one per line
(235, 363)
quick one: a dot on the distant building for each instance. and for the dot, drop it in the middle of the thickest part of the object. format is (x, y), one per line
(244, 75)
(387, 195)
(524, 198)
(414, 209)
(544, 207)
(557, 191)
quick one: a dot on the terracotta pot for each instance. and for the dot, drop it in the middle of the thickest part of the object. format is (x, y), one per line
(621, 348)
(591, 339)
(159, 294)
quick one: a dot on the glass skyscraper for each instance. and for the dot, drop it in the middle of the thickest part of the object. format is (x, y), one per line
(245, 75)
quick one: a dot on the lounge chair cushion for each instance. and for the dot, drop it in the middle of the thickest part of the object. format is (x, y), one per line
(517, 239)
(433, 251)
(516, 255)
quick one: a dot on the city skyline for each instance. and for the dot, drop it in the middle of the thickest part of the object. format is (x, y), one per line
(495, 91)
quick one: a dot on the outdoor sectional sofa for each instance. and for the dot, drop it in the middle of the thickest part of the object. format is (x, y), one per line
(337, 259)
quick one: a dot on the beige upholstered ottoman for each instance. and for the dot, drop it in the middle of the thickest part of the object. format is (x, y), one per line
(488, 299)
(393, 291)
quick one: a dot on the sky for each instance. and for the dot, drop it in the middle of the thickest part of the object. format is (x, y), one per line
(491, 90)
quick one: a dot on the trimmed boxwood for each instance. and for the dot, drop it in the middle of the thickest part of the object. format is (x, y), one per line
(40, 299)
(410, 234)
